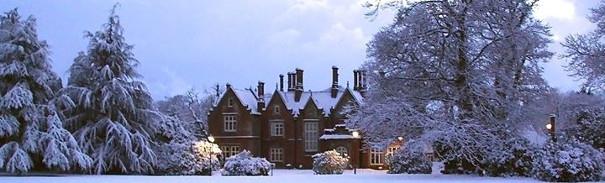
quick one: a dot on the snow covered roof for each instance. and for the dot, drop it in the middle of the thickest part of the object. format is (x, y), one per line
(248, 98)
(322, 99)
(337, 136)
(340, 131)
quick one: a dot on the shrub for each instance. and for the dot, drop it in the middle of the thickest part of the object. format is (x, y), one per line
(406, 160)
(329, 162)
(569, 161)
(243, 164)
(515, 159)
(190, 158)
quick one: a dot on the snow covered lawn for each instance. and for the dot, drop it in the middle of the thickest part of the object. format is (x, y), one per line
(279, 176)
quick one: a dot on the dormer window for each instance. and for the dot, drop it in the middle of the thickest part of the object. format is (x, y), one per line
(276, 109)
(230, 102)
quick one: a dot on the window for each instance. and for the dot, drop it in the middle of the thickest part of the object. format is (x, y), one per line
(391, 150)
(277, 128)
(230, 123)
(230, 102)
(375, 156)
(276, 155)
(343, 151)
(276, 109)
(229, 151)
(311, 135)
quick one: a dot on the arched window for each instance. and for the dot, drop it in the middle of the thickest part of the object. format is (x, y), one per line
(343, 151)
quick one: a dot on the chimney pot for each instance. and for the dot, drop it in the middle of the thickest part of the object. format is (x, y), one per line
(281, 82)
(299, 84)
(334, 90)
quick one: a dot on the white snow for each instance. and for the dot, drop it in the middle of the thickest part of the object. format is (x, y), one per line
(322, 99)
(279, 176)
(337, 136)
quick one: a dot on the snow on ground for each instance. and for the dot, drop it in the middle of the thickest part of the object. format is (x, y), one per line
(279, 176)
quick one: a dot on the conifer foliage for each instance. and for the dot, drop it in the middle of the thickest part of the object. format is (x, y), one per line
(114, 118)
(31, 132)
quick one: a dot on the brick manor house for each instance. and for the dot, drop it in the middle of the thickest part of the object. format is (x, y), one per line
(288, 126)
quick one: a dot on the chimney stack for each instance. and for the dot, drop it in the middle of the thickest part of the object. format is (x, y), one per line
(359, 81)
(291, 81)
(299, 84)
(334, 90)
(355, 80)
(281, 82)
(261, 96)
(362, 81)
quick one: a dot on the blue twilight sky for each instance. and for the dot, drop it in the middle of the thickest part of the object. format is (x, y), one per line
(186, 44)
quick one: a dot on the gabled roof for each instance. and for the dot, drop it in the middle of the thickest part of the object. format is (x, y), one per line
(247, 97)
(322, 99)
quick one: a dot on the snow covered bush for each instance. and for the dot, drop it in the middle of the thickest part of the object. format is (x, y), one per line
(180, 153)
(513, 159)
(243, 164)
(587, 119)
(410, 161)
(31, 130)
(329, 162)
(114, 119)
(568, 161)
(188, 158)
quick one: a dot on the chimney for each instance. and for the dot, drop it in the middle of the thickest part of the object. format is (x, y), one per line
(299, 84)
(291, 78)
(355, 80)
(261, 96)
(334, 90)
(362, 80)
(281, 82)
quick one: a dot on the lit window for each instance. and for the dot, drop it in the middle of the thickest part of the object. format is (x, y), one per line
(311, 135)
(391, 150)
(229, 151)
(376, 156)
(276, 155)
(277, 128)
(343, 151)
(230, 123)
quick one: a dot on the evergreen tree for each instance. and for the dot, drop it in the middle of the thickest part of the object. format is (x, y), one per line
(31, 132)
(114, 120)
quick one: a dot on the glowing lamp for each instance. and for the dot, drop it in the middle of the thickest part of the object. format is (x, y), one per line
(355, 134)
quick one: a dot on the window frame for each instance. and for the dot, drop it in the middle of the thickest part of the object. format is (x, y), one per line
(230, 102)
(276, 154)
(276, 109)
(376, 156)
(391, 150)
(229, 150)
(311, 135)
(229, 123)
(339, 148)
(273, 128)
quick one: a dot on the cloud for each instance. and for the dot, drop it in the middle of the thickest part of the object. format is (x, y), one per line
(304, 5)
(556, 9)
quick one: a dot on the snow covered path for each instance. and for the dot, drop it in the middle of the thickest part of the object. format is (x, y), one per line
(296, 176)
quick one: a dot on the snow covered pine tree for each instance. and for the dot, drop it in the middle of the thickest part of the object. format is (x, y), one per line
(114, 119)
(31, 132)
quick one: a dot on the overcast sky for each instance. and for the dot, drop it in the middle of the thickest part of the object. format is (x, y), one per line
(186, 44)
